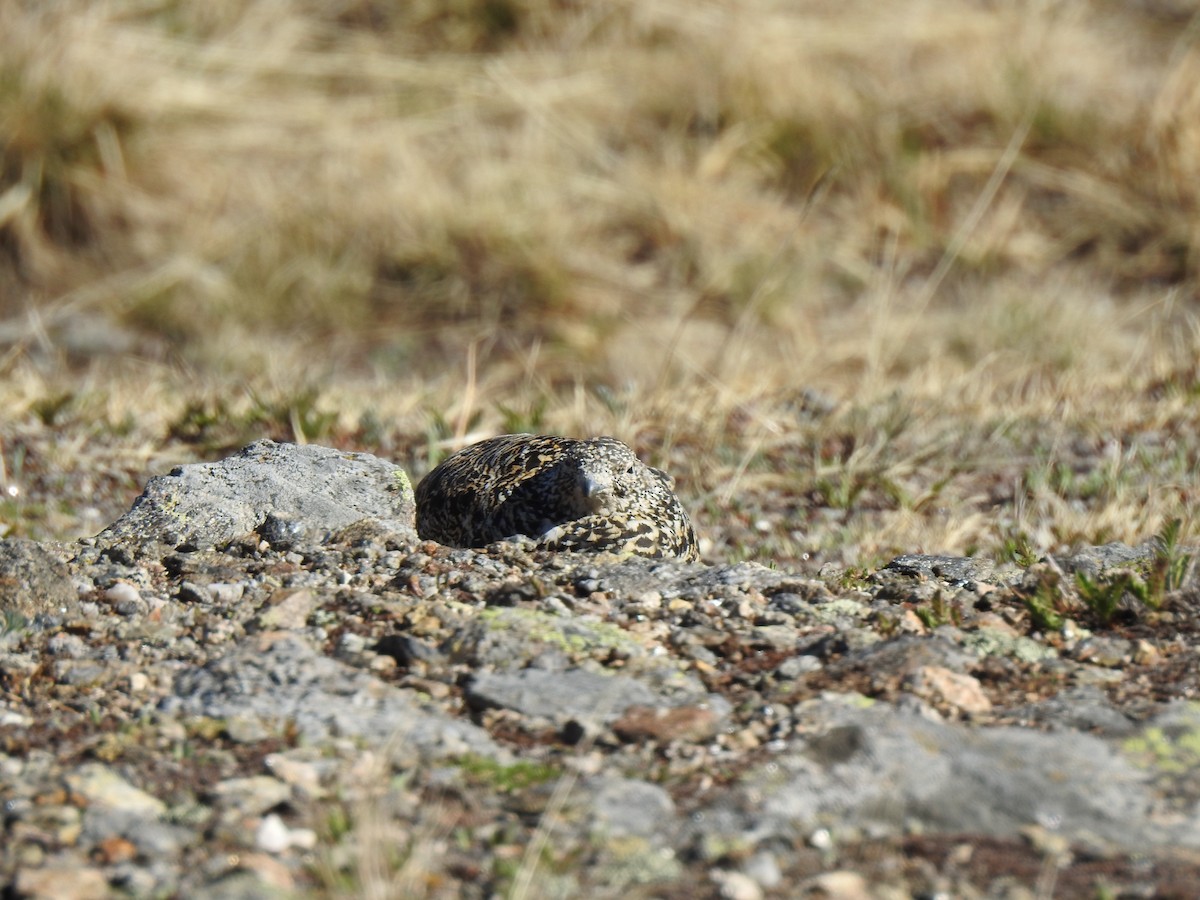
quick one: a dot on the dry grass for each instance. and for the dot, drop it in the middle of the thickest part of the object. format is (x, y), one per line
(920, 277)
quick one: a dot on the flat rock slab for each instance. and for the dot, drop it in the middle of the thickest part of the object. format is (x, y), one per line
(32, 579)
(287, 490)
(282, 681)
(1092, 560)
(886, 772)
(624, 807)
(954, 570)
(559, 696)
(537, 643)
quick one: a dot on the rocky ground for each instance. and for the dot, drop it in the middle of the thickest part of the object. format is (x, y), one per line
(260, 683)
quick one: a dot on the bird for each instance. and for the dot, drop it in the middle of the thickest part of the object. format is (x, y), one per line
(591, 495)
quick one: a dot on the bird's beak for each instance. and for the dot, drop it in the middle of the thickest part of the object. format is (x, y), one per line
(596, 492)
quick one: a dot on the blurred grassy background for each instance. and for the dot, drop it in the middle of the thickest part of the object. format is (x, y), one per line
(865, 277)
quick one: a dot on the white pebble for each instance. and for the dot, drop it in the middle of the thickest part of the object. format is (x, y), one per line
(736, 886)
(303, 838)
(226, 593)
(272, 835)
(122, 591)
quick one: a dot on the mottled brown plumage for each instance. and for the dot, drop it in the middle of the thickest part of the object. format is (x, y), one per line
(566, 494)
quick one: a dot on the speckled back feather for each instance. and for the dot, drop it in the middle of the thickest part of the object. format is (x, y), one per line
(566, 494)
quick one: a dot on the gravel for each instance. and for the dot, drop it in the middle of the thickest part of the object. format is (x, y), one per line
(259, 682)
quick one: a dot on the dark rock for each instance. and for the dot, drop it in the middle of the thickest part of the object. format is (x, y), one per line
(283, 532)
(406, 649)
(955, 571)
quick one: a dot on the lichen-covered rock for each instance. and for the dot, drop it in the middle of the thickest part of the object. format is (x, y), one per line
(32, 579)
(284, 683)
(291, 491)
(881, 771)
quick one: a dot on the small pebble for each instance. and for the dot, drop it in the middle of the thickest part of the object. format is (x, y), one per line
(122, 592)
(272, 835)
(736, 885)
(840, 885)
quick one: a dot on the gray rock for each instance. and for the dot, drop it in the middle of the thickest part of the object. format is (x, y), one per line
(559, 696)
(284, 679)
(1091, 560)
(953, 570)
(294, 489)
(634, 577)
(243, 885)
(1165, 747)
(80, 672)
(694, 680)
(884, 772)
(33, 580)
(994, 642)
(103, 787)
(902, 656)
(253, 795)
(511, 639)
(1101, 650)
(68, 646)
(624, 807)
(153, 837)
(1084, 708)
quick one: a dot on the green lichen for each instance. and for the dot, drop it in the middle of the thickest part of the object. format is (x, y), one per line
(572, 636)
(507, 778)
(630, 860)
(403, 484)
(839, 609)
(1171, 750)
(993, 642)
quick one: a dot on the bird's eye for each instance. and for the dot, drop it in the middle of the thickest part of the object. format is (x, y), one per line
(629, 471)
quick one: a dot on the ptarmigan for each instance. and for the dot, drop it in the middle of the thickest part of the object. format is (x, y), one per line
(566, 494)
